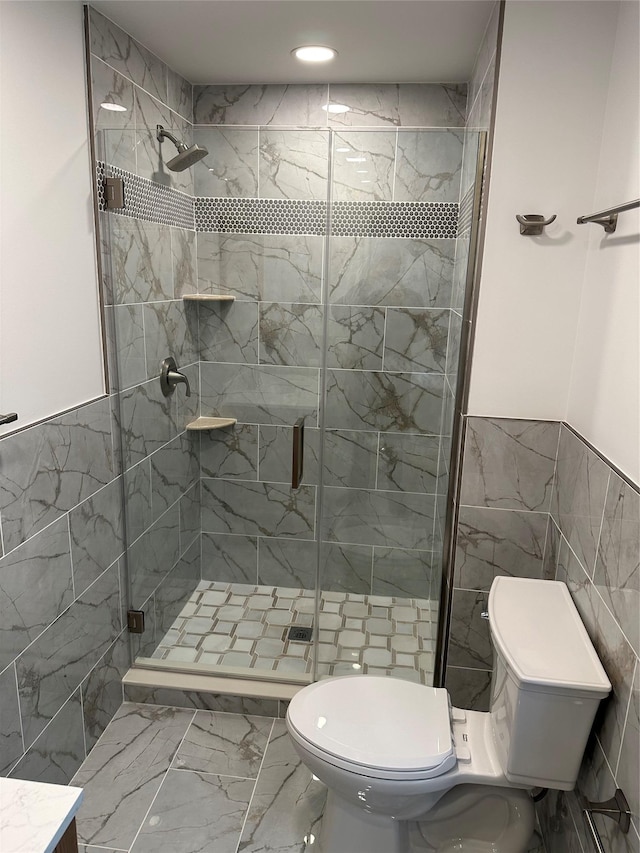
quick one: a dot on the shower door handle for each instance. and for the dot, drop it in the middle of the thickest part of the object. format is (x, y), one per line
(297, 462)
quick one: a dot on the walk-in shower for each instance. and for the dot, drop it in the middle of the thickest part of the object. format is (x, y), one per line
(313, 272)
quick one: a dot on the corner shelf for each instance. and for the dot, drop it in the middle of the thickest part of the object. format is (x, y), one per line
(201, 424)
(208, 297)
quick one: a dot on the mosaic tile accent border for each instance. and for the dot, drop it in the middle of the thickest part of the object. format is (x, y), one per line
(435, 220)
(260, 216)
(246, 626)
(146, 199)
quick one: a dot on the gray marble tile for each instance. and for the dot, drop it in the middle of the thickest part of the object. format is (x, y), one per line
(578, 500)
(140, 260)
(366, 517)
(627, 769)
(469, 640)
(408, 463)
(294, 163)
(55, 664)
(231, 453)
(174, 469)
(226, 744)
(176, 588)
(260, 105)
(257, 509)
(400, 573)
(229, 559)
(153, 555)
(398, 271)
(232, 165)
(123, 772)
(612, 647)
(482, 110)
(345, 568)
(290, 334)
(285, 268)
(191, 810)
(183, 255)
(469, 688)
(36, 586)
(147, 420)
(287, 563)
(202, 701)
(51, 467)
(399, 402)
(617, 572)
(355, 337)
(11, 746)
(189, 516)
(188, 408)
(102, 689)
(459, 279)
(229, 332)
(266, 394)
(428, 166)
(493, 542)
(485, 54)
(131, 364)
(126, 55)
(469, 165)
(179, 94)
(137, 499)
(551, 547)
(59, 751)
(456, 330)
(350, 459)
(364, 172)
(115, 130)
(509, 463)
(287, 804)
(151, 154)
(399, 104)
(276, 444)
(96, 535)
(416, 340)
(170, 329)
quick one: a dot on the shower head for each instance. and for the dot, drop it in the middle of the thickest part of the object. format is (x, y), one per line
(186, 156)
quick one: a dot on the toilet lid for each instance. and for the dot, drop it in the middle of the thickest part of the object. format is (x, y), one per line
(377, 722)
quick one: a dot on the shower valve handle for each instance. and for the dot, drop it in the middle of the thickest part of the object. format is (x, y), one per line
(170, 376)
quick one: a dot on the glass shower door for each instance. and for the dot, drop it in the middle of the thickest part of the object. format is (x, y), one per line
(221, 549)
(391, 363)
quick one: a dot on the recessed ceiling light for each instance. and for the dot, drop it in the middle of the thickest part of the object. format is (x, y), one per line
(336, 108)
(116, 108)
(314, 53)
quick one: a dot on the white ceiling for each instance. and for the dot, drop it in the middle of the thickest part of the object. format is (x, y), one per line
(249, 41)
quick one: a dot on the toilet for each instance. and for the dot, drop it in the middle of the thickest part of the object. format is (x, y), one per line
(391, 751)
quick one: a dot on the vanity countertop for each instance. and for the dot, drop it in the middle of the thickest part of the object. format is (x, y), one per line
(34, 815)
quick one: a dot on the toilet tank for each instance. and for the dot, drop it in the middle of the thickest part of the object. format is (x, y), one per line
(547, 682)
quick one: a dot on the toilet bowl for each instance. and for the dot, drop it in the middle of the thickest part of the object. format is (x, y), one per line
(392, 751)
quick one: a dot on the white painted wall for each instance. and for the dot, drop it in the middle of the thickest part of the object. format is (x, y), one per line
(50, 341)
(604, 392)
(550, 115)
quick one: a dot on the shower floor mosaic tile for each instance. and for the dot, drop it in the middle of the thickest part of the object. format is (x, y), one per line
(243, 626)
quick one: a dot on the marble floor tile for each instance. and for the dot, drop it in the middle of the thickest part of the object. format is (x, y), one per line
(224, 744)
(124, 771)
(288, 802)
(195, 813)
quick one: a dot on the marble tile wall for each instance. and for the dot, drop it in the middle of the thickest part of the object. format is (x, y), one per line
(538, 501)
(387, 334)
(148, 267)
(63, 650)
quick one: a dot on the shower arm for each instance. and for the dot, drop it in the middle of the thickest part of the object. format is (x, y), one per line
(165, 134)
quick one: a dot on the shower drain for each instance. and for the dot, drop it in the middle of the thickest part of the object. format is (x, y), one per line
(302, 635)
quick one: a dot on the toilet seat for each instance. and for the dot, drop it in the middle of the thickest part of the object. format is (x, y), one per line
(345, 722)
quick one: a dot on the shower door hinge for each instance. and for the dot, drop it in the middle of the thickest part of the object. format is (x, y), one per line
(114, 193)
(135, 621)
